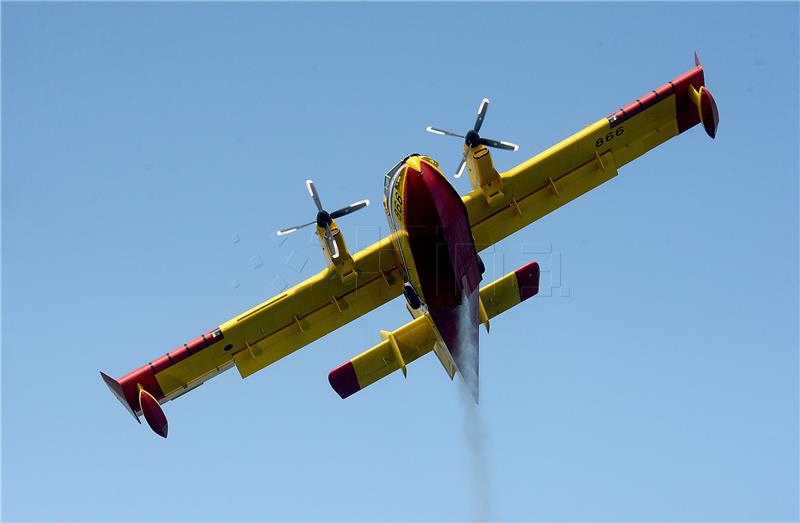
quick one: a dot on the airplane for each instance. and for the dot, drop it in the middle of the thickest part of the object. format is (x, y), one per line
(430, 256)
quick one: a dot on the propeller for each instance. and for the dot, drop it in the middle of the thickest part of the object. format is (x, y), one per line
(324, 218)
(472, 138)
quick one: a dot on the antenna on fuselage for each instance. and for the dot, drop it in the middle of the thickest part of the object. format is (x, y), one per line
(472, 138)
(324, 218)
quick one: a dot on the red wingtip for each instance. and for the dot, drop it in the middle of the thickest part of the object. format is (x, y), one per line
(696, 59)
(116, 389)
(153, 413)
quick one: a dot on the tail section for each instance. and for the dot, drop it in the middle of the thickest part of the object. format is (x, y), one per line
(395, 352)
(418, 337)
(510, 290)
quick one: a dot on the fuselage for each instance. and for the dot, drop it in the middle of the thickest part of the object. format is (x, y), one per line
(431, 225)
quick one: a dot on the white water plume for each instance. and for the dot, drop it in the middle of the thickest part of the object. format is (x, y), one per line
(474, 428)
(467, 355)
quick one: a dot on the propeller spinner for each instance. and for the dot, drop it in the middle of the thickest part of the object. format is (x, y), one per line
(324, 218)
(472, 138)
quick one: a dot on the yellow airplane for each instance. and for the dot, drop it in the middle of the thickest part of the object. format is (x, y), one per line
(431, 256)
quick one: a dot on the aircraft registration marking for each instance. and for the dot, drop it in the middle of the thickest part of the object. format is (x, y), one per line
(602, 140)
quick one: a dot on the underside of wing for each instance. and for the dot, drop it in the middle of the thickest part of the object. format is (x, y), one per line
(348, 288)
(291, 320)
(317, 307)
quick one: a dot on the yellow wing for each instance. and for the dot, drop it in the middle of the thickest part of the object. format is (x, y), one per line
(585, 160)
(291, 320)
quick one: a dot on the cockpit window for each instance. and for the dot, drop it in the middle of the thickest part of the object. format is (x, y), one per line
(387, 178)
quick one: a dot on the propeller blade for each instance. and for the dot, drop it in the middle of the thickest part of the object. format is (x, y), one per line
(442, 132)
(463, 164)
(331, 243)
(481, 114)
(290, 230)
(313, 192)
(353, 207)
(499, 144)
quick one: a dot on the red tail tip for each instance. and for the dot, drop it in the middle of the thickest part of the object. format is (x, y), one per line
(528, 280)
(344, 381)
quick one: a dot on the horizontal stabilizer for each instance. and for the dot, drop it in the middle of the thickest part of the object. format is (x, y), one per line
(397, 349)
(417, 338)
(512, 289)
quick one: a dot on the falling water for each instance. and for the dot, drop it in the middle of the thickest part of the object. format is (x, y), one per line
(474, 429)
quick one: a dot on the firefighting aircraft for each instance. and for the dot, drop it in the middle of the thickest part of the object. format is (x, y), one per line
(431, 256)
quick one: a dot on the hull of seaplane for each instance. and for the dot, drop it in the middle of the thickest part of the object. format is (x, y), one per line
(440, 259)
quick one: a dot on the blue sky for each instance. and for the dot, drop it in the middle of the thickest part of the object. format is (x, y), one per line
(150, 151)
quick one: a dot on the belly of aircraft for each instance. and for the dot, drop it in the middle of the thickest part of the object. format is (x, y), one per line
(445, 263)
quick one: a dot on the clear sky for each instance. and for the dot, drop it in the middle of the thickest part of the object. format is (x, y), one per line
(150, 151)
